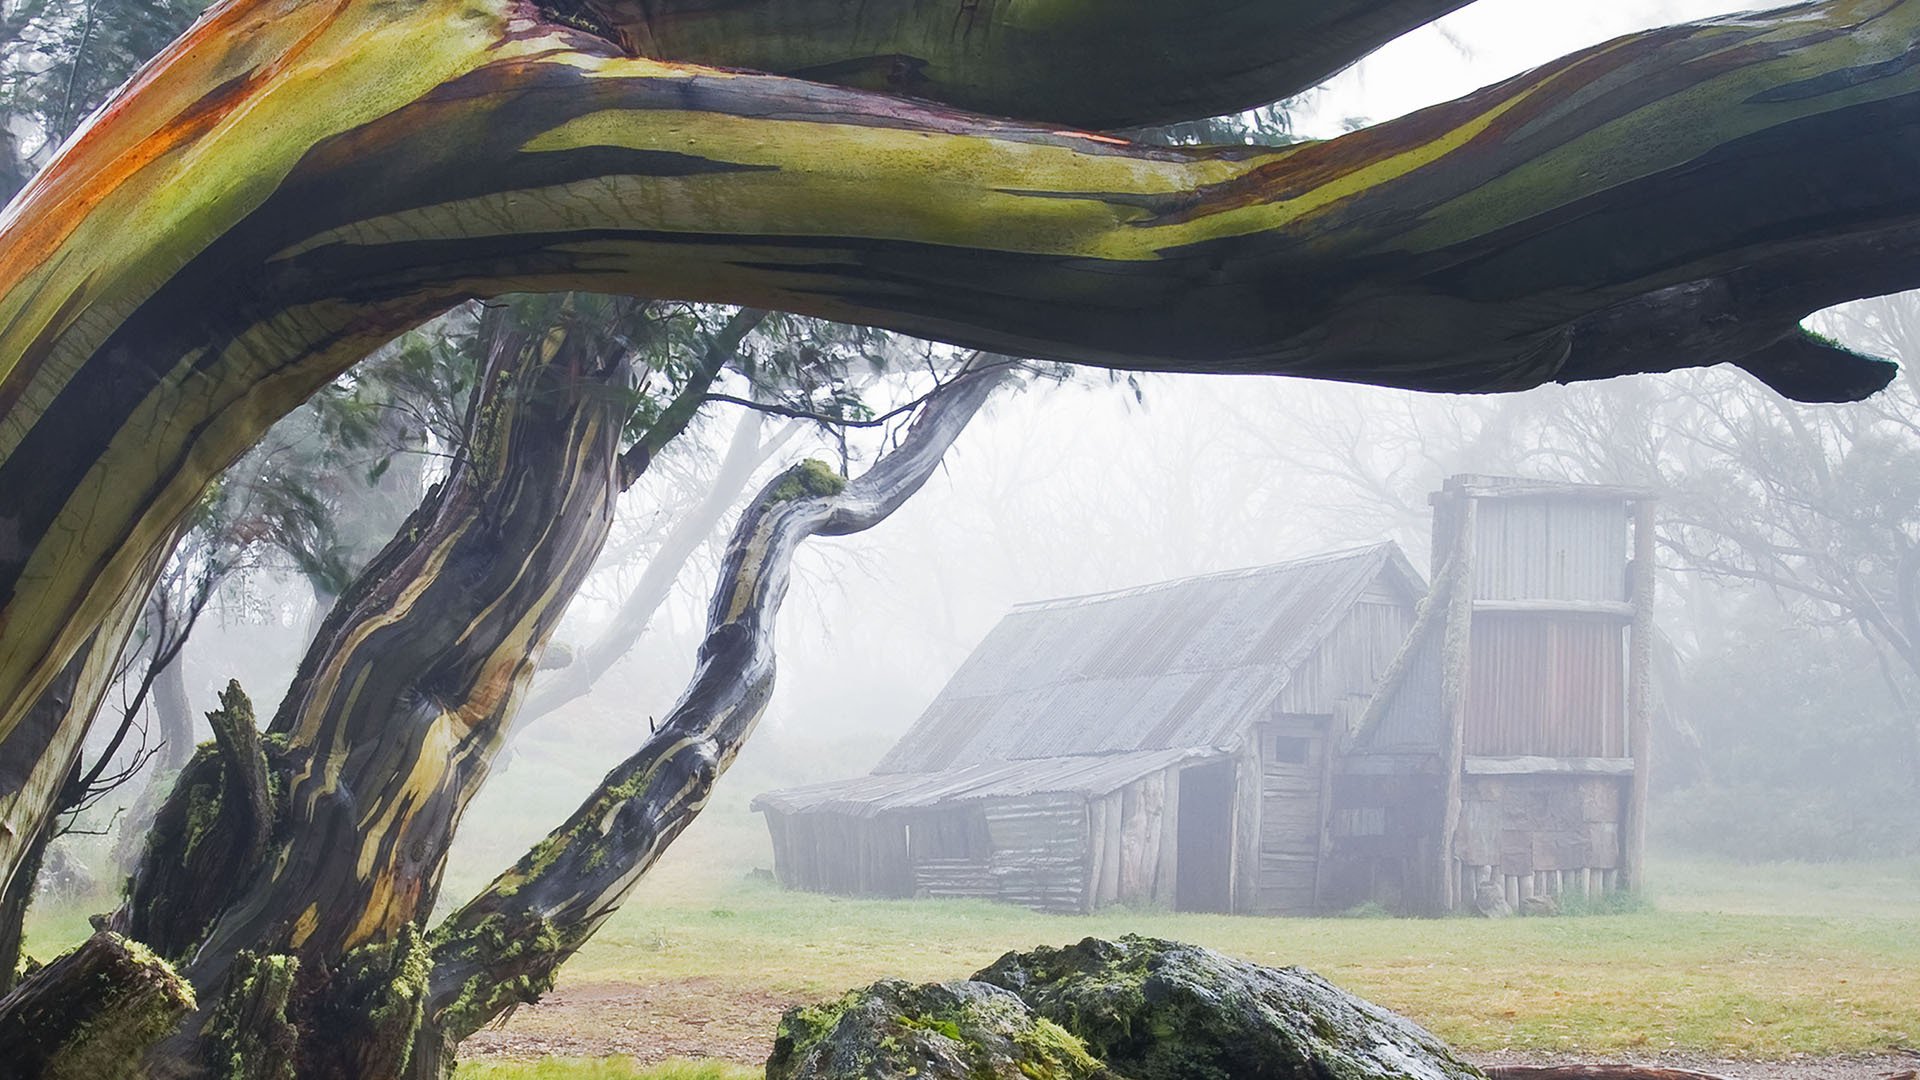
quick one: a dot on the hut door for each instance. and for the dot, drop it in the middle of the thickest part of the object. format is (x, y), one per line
(1292, 771)
(1203, 861)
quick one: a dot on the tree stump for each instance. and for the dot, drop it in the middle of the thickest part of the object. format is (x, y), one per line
(91, 1014)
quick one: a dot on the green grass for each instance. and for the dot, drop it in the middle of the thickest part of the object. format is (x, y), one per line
(1746, 985)
(1760, 961)
(603, 1069)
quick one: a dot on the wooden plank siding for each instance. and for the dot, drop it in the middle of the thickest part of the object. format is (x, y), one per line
(1349, 660)
(834, 853)
(1040, 850)
(1292, 753)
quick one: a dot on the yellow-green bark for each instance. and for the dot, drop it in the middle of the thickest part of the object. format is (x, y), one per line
(504, 946)
(297, 181)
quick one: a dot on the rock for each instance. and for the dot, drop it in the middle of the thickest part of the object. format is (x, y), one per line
(64, 878)
(1539, 904)
(1160, 1010)
(1491, 901)
(941, 1031)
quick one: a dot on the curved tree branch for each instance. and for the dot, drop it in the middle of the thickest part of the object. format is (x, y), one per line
(1107, 64)
(504, 946)
(309, 179)
(746, 453)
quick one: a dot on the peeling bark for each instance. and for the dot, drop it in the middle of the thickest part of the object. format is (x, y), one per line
(504, 946)
(208, 839)
(313, 965)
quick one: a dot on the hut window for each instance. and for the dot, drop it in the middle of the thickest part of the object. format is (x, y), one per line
(1361, 821)
(1289, 749)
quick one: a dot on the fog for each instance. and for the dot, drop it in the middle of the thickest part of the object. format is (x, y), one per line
(1102, 483)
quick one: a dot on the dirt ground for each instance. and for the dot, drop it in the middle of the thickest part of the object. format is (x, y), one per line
(1866, 1067)
(698, 1018)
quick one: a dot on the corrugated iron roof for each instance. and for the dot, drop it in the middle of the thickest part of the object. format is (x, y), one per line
(868, 796)
(1176, 665)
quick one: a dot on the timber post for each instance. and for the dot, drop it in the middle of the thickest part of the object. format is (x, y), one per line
(1455, 671)
(1639, 694)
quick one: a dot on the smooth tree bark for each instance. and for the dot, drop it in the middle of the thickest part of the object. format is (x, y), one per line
(1053, 60)
(291, 184)
(504, 946)
(290, 876)
(306, 950)
(746, 453)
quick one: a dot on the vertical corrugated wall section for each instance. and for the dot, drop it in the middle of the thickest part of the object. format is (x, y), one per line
(1550, 686)
(1550, 549)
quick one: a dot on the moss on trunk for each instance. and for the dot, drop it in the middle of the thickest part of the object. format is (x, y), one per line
(92, 1014)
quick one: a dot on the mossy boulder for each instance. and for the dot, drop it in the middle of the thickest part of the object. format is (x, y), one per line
(893, 1030)
(1160, 1010)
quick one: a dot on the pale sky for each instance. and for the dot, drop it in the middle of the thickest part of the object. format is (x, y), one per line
(1482, 44)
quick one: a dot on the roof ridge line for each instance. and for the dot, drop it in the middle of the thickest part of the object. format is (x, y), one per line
(1212, 575)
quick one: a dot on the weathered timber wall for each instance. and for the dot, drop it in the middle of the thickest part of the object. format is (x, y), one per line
(1040, 850)
(1349, 660)
(1293, 755)
(841, 854)
(1384, 832)
(1126, 831)
(1541, 834)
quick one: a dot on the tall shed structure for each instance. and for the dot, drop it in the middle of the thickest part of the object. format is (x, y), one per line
(1288, 739)
(1505, 752)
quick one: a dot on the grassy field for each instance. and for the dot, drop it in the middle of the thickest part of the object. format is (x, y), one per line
(1762, 985)
(1767, 961)
(620, 1068)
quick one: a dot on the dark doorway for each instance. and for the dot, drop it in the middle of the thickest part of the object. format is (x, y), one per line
(1203, 865)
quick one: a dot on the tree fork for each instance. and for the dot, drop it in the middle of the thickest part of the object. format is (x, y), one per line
(308, 181)
(504, 946)
(397, 711)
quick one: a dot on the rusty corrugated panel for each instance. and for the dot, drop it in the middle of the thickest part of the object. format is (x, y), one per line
(1553, 686)
(1173, 665)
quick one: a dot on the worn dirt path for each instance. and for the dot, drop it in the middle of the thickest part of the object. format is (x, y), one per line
(698, 1018)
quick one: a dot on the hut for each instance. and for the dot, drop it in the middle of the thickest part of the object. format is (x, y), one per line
(1164, 744)
(1287, 739)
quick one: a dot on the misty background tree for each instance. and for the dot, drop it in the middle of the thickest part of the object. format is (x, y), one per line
(1739, 300)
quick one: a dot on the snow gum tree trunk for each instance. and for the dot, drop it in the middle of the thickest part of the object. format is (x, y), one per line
(288, 875)
(505, 945)
(292, 183)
